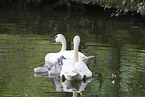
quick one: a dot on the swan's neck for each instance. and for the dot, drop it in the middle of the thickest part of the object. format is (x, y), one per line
(75, 54)
(63, 45)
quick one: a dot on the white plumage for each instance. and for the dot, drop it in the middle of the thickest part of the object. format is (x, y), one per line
(51, 58)
(76, 70)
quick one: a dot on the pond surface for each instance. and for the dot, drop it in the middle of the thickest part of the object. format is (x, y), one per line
(118, 45)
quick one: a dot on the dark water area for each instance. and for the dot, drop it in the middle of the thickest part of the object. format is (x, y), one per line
(118, 45)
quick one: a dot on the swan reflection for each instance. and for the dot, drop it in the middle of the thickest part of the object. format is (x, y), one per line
(74, 86)
(71, 86)
(40, 74)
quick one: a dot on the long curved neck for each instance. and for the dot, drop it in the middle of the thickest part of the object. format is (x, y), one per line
(63, 45)
(75, 53)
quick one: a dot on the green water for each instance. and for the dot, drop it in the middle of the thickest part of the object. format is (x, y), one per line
(118, 45)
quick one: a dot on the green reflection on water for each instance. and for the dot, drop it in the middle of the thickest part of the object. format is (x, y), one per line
(117, 48)
(19, 56)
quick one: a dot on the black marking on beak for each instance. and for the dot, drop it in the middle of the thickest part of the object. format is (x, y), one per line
(54, 40)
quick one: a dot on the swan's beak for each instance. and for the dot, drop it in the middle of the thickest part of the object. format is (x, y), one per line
(54, 40)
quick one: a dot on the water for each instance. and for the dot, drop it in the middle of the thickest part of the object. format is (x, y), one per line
(118, 45)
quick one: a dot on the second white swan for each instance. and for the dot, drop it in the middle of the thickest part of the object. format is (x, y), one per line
(76, 70)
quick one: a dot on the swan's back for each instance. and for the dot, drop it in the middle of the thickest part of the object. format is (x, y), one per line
(52, 57)
(67, 66)
(82, 68)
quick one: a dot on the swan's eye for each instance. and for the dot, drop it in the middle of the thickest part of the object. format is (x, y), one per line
(55, 37)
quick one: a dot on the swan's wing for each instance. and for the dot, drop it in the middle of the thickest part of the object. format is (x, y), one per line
(68, 69)
(52, 57)
(69, 55)
(83, 69)
(48, 56)
(67, 66)
(81, 66)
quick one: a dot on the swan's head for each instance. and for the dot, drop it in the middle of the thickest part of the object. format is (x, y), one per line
(58, 38)
(76, 40)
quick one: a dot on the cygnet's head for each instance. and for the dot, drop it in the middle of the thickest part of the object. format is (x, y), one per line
(60, 60)
(58, 38)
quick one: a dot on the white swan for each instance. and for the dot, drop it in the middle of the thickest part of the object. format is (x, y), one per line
(76, 70)
(51, 58)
